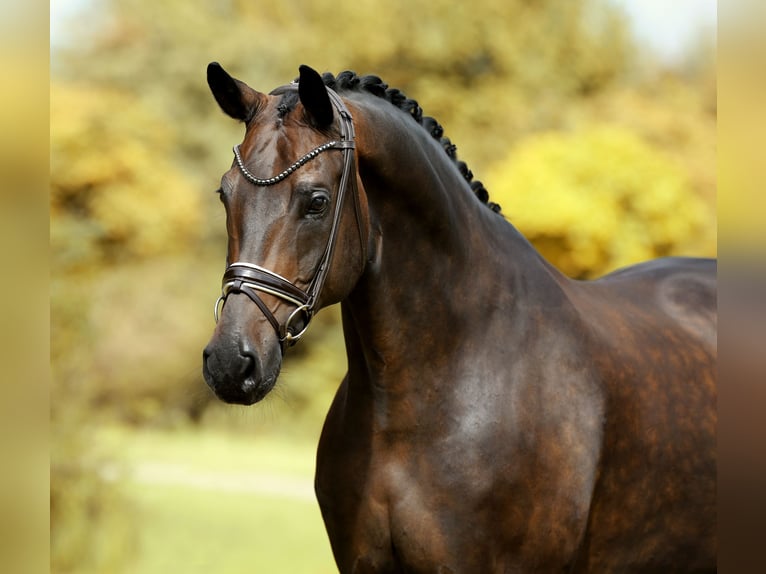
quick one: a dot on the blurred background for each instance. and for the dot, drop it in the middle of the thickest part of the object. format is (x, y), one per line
(591, 122)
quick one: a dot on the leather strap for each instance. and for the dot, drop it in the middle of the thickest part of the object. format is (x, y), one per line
(240, 287)
(270, 282)
(248, 278)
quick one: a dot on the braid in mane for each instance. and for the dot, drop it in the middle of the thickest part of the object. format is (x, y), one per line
(373, 84)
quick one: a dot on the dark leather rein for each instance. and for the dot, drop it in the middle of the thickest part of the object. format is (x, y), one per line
(249, 279)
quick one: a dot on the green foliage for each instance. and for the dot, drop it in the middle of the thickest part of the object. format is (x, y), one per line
(599, 199)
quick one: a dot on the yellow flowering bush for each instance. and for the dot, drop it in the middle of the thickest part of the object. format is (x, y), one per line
(598, 199)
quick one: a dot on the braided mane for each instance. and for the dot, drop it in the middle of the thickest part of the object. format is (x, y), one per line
(347, 81)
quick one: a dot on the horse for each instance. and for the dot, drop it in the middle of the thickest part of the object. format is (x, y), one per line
(496, 415)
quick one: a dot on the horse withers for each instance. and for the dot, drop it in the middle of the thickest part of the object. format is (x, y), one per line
(496, 416)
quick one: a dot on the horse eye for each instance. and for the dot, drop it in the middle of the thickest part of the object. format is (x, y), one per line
(318, 204)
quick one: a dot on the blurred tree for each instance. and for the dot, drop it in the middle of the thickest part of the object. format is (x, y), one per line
(116, 191)
(671, 113)
(599, 199)
(492, 68)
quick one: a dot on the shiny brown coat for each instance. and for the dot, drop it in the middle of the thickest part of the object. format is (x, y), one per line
(496, 415)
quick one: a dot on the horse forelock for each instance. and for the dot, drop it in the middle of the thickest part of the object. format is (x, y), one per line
(349, 81)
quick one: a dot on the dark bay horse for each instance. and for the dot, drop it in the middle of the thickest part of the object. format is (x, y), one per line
(496, 416)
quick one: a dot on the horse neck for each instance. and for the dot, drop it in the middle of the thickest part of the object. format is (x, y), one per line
(441, 263)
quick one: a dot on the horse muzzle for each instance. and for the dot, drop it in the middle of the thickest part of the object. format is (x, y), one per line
(236, 373)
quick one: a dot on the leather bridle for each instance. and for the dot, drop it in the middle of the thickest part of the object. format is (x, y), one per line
(250, 279)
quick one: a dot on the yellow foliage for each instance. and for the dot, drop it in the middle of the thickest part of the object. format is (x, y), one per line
(599, 199)
(673, 115)
(115, 189)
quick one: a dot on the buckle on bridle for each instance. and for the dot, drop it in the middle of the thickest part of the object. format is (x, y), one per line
(218, 302)
(286, 336)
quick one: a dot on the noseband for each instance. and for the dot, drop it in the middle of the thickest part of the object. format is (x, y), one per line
(249, 279)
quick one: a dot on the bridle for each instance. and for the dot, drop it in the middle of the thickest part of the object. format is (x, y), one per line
(249, 279)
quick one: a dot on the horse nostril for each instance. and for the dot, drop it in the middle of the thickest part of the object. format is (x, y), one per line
(218, 366)
(249, 361)
(206, 360)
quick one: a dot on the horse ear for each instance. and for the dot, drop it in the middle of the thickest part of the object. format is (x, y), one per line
(313, 95)
(236, 98)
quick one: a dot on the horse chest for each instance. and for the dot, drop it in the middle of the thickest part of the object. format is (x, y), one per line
(401, 517)
(444, 507)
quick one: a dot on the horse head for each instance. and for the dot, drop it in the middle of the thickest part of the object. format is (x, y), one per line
(296, 218)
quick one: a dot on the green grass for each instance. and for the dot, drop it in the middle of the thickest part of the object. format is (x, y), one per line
(184, 527)
(190, 531)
